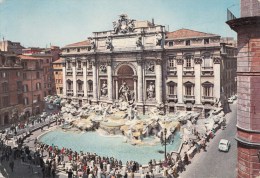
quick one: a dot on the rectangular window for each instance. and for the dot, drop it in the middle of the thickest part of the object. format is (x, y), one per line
(4, 75)
(37, 75)
(68, 50)
(18, 74)
(79, 64)
(188, 90)
(171, 62)
(69, 64)
(206, 91)
(171, 89)
(90, 86)
(69, 86)
(24, 76)
(90, 65)
(78, 49)
(20, 98)
(206, 41)
(19, 86)
(5, 87)
(171, 43)
(5, 101)
(188, 62)
(56, 73)
(80, 86)
(187, 42)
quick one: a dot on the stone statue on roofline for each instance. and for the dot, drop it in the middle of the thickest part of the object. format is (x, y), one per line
(158, 39)
(92, 43)
(123, 24)
(109, 43)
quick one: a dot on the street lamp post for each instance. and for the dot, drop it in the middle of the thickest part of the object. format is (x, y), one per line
(165, 141)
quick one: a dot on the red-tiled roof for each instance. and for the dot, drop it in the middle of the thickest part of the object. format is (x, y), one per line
(59, 61)
(187, 33)
(82, 43)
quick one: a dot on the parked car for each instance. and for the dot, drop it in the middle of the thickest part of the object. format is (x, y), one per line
(224, 145)
(230, 100)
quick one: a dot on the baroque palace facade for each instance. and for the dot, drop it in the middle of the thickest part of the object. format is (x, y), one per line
(141, 62)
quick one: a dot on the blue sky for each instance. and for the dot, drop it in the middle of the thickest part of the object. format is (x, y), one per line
(61, 22)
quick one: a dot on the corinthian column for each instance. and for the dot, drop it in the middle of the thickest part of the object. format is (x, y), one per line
(216, 62)
(197, 92)
(94, 68)
(180, 84)
(158, 83)
(140, 80)
(109, 81)
(85, 78)
(74, 78)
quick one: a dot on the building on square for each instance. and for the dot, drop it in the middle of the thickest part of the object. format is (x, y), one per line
(58, 77)
(11, 91)
(139, 61)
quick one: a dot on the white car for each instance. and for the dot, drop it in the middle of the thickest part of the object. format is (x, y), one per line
(230, 100)
(224, 145)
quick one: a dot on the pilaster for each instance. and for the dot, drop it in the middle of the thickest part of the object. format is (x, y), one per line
(140, 80)
(179, 83)
(158, 89)
(64, 79)
(109, 79)
(216, 61)
(74, 78)
(197, 88)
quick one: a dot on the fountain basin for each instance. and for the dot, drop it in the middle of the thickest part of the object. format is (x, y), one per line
(109, 146)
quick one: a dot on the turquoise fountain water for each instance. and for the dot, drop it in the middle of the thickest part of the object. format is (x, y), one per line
(108, 146)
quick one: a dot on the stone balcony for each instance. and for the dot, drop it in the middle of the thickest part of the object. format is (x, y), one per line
(69, 71)
(207, 71)
(188, 71)
(90, 94)
(189, 99)
(79, 71)
(80, 93)
(172, 70)
(172, 97)
(208, 99)
(69, 92)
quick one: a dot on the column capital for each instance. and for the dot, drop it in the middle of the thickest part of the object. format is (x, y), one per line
(197, 60)
(158, 61)
(139, 61)
(179, 61)
(216, 60)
